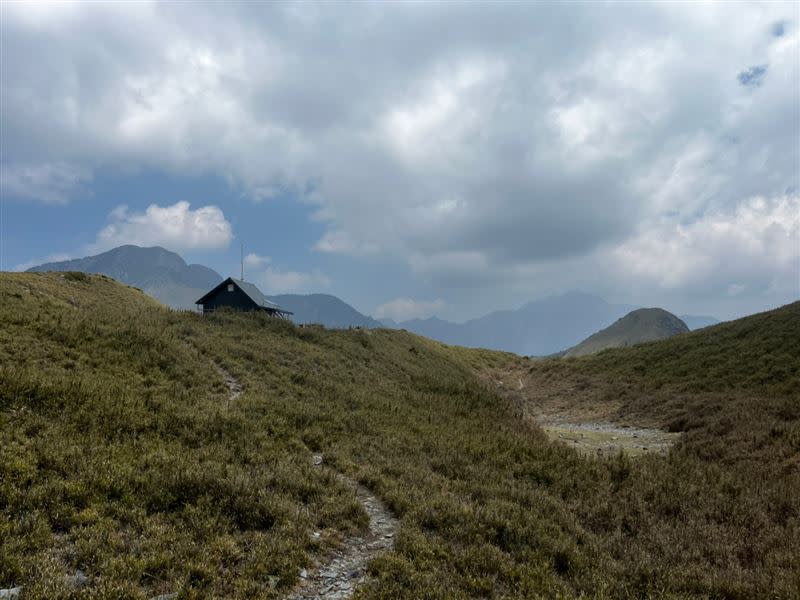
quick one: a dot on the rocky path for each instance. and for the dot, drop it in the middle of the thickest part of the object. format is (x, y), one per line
(336, 575)
(234, 387)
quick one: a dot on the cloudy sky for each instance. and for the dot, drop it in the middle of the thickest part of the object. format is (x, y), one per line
(415, 158)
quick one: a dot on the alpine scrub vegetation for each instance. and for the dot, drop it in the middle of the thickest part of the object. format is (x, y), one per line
(123, 458)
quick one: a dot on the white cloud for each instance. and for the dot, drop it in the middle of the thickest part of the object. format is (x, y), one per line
(275, 281)
(339, 242)
(49, 183)
(403, 309)
(256, 261)
(758, 242)
(528, 142)
(176, 227)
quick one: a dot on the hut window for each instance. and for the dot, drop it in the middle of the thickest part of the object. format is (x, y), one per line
(230, 287)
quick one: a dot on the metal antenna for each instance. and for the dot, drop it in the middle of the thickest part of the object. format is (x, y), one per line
(242, 256)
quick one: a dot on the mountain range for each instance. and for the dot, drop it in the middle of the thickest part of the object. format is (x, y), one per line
(541, 327)
(325, 309)
(538, 328)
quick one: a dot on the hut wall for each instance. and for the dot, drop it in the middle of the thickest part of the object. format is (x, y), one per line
(223, 298)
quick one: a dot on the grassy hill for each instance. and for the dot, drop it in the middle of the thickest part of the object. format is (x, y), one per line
(638, 326)
(122, 457)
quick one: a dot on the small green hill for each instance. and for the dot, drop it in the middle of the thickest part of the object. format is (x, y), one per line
(638, 326)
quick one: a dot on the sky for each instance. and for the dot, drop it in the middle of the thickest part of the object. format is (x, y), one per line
(415, 159)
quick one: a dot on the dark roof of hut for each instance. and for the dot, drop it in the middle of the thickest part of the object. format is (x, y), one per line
(251, 291)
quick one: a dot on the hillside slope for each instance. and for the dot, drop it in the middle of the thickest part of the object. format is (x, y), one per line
(638, 326)
(124, 457)
(758, 353)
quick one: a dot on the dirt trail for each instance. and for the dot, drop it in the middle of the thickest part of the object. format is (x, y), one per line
(336, 577)
(234, 387)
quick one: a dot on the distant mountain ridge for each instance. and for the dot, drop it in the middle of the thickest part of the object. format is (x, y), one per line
(325, 309)
(159, 272)
(698, 322)
(538, 328)
(638, 326)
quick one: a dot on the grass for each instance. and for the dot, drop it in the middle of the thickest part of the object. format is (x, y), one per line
(122, 458)
(760, 353)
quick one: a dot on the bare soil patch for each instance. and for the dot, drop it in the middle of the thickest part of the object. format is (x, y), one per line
(607, 439)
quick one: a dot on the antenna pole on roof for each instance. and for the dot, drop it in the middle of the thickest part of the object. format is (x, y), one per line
(242, 257)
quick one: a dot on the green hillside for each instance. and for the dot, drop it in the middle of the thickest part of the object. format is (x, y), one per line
(637, 327)
(123, 457)
(733, 389)
(759, 353)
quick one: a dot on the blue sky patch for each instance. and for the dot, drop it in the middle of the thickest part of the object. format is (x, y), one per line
(753, 77)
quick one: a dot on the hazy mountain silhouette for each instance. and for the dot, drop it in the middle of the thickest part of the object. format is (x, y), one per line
(538, 328)
(323, 308)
